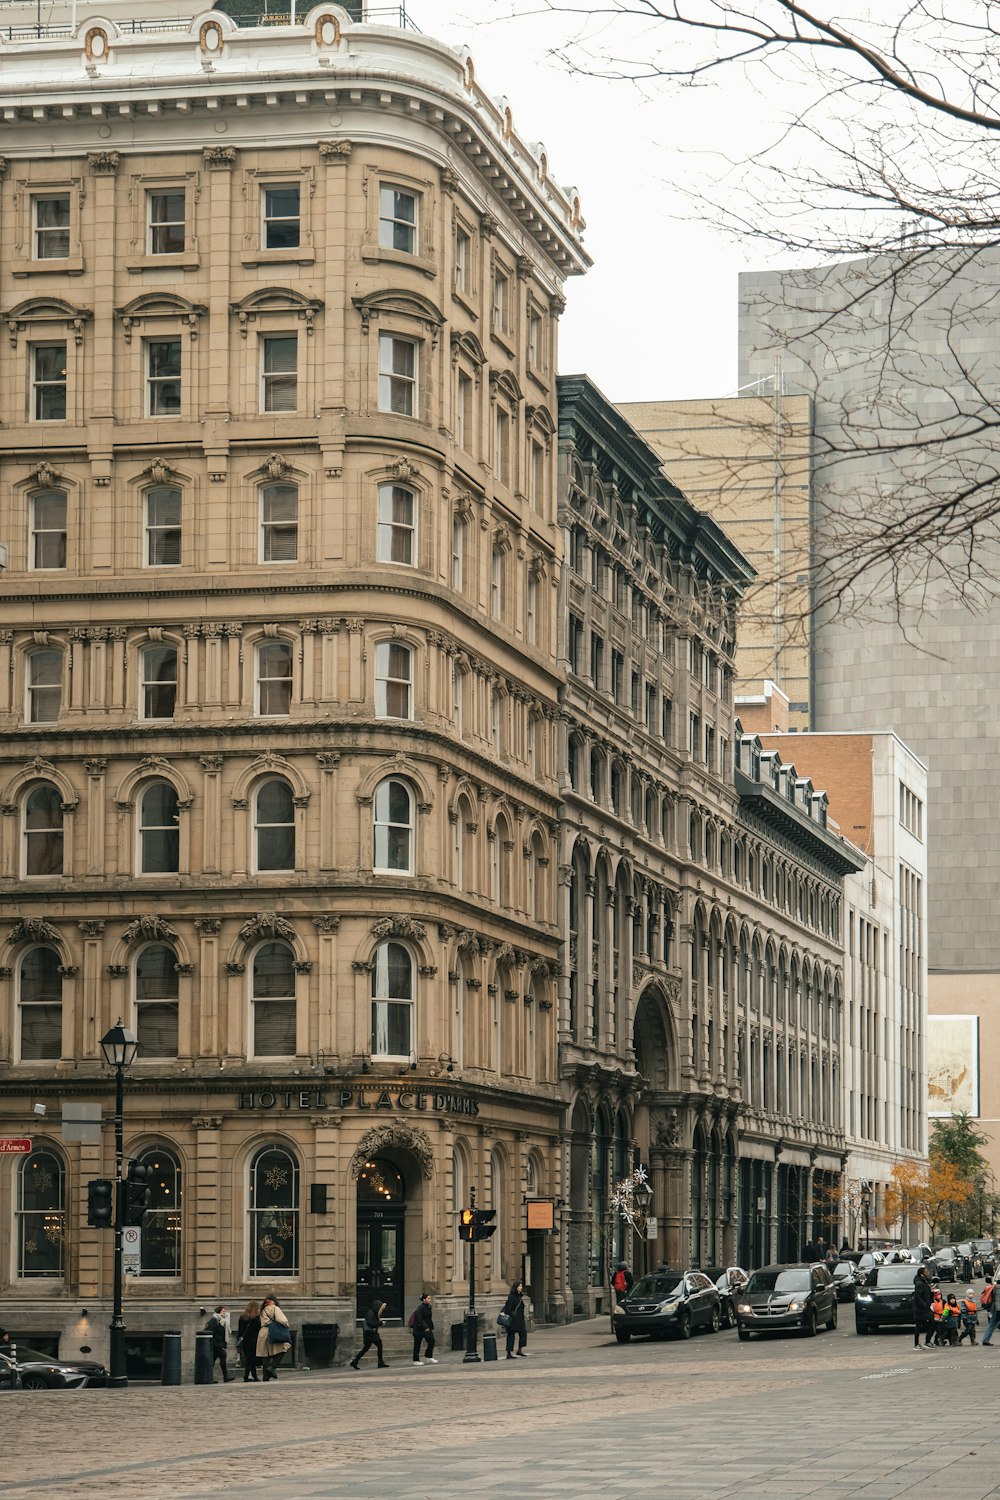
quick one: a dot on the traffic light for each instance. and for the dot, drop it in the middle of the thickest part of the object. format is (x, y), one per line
(100, 1203)
(465, 1222)
(137, 1194)
(482, 1225)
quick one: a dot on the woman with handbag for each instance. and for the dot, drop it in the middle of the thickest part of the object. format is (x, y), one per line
(247, 1331)
(512, 1318)
(273, 1339)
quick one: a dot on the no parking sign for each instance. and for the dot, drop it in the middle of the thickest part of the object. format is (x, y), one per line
(131, 1251)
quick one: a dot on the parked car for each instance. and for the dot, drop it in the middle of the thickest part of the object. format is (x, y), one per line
(668, 1302)
(869, 1261)
(887, 1299)
(970, 1261)
(921, 1254)
(846, 1280)
(35, 1371)
(944, 1264)
(728, 1281)
(783, 1297)
(987, 1256)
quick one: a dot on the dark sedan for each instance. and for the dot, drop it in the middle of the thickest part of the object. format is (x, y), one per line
(887, 1299)
(729, 1281)
(778, 1298)
(846, 1280)
(987, 1256)
(944, 1264)
(668, 1303)
(34, 1371)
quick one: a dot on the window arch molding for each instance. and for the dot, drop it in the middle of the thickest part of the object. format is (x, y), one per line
(151, 928)
(405, 769)
(265, 927)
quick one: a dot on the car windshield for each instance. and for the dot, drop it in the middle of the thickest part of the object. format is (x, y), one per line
(778, 1281)
(894, 1276)
(843, 1270)
(656, 1286)
(946, 1254)
(984, 1245)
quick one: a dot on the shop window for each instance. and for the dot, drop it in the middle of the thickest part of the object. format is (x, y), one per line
(274, 826)
(43, 830)
(156, 1002)
(159, 831)
(273, 1001)
(392, 1002)
(393, 828)
(41, 1215)
(274, 1213)
(40, 1005)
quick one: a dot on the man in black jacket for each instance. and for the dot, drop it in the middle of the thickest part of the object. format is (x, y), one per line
(218, 1327)
(923, 1320)
(423, 1331)
(372, 1324)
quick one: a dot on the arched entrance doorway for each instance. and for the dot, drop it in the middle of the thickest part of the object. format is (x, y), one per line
(380, 1240)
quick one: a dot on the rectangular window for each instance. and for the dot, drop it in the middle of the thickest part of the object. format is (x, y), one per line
(48, 531)
(710, 748)
(163, 528)
(274, 680)
(463, 411)
(651, 707)
(397, 525)
(397, 221)
(282, 223)
(397, 375)
(617, 675)
(597, 660)
(393, 676)
(536, 475)
(44, 686)
(531, 624)
(694, 738)
(48, 382)
(457, 553)
(165, 223)
(575, 643)
(279, 373)
(501, 301)
(535, 327)
(163, 377)
(463, 256)
(51, 217)
(159, 682)
(636, 685)
(279, 523)
(501, 454)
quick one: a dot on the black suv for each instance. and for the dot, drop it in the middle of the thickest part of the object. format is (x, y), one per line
(887, 1299)
(782, 1297)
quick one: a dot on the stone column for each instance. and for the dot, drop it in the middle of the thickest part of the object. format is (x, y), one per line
(209, 1201)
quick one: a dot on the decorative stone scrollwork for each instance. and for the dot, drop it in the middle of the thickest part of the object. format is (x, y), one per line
(234, 968)
(361, 966)
(103, 161)
(303, 966)
(33, 930)
(326, 924)
(404, 927)
(117, 971)
(91, 929)
(209, 926)
(335, 152)
(267, 924)
(67, 970)
(219, 158)
(185, 969)
(148, 928)
(45, 475)
(276, 466)
(394, 1137)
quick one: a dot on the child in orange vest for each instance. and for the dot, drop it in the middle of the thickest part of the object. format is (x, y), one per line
(937, 1313)
(970, 1316)
(950, 1319)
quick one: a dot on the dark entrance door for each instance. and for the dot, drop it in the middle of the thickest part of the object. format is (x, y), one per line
(381, 1215)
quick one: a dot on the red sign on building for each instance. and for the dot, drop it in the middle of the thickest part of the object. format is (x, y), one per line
(9, 1146)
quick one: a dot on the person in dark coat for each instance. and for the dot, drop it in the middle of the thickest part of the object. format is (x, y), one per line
(923, 1318)
(370, 1331)
(514, 1308)
(247, 1332)
(423, 1331)
(218, 1327)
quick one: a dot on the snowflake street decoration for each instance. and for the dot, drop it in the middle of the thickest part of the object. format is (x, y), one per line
(276, 1177)
(623, 1199)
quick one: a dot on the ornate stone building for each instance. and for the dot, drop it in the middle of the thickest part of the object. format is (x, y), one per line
(700, 902)
(278, 662)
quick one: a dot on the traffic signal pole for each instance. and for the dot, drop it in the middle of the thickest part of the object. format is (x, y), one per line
(117, 1376)
(471, 1329)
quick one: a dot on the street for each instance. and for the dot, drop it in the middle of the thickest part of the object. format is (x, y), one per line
(780, 1417)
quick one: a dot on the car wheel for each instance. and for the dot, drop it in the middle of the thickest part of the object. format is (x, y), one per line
(622, 1336)
(744, 1335)
(831, 1321)
(33, 1383)
(809, 1324)
(716, 1323)
(728, 1318)
(684, 1326)
(860, 1327)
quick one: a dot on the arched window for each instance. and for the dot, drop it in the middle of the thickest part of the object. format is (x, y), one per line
(159, 833)
(274, 826)
(274, 680)
(279, 523)
(393, 827)
(537, 863)
(393, 680)
(498, 1201)
(156, 1002)
(273, 1001)
(43, 830)
(392, 1002)
(163, 526)
(397, 525)
(44, 686)
(41, 1216)
(161, 1226)
(274, 1213)
(40, 1004)
(158, 687)
(503, 856)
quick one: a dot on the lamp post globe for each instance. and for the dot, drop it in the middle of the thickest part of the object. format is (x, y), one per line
(119, 1046)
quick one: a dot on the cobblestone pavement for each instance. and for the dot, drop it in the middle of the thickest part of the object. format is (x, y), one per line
(713, 1419)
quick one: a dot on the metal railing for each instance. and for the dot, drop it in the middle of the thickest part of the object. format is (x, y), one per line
(389, 15)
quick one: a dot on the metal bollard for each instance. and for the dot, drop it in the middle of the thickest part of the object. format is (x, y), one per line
(203, 1360)
(489, 1347)
(170, 1372)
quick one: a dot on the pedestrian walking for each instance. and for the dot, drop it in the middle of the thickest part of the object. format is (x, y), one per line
(622, 1281)
(991, 1302)
(247, 1330)
(923, 1317)
(969, 1308)
(422, 1324)
(950, 1319)
(218, 1327)
(517, 1324)
(271, 1347)
(371, 1336)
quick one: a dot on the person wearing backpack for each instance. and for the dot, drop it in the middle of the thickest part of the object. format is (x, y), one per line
(970, 1316)
(990, 1300)
(421, 1321)
(621, 1281)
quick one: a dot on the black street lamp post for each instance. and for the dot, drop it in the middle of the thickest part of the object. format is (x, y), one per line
(119, 1047)
(643, 1195)
(866, 1208)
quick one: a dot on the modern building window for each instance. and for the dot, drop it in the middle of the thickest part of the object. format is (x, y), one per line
(160, 1255)
(43, 830)
(40, 1005)
(274, 1213)
(159, 830)
(274, 826)
(273, 1001)
(163, 377)
(463, 411)
(279, 523)
(397, 223)
(44, 686)
(457, 554)
(501, 444)
(281, 215)
(463, 260)
(41, 1215)
(156, 1001)
(392, 1002)
(397, 525)
(165, 223)
(48, 382)
(48, 530)
(158, 688)
(393, 828)
(274, 680)
(279, 373)
(393, 681)
(51, 224)
(163, 527)
(397, 375)
(497, 582)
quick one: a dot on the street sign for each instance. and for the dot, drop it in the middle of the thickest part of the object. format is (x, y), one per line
(652, 1227)
(132, 1251)
(81, 1122)
(10, 1146)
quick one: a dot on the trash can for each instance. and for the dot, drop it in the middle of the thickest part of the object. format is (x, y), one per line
(319, 1343)
(489, 1347)
(203, 1358)
(457, 1337)
(170, 1373)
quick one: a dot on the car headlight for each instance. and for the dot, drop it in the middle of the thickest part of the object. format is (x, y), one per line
(795, 1307)
(744, 1307)
(670, 1305)
(864, 1297)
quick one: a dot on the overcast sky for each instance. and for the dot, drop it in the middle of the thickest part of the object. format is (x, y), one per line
(656, 316)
